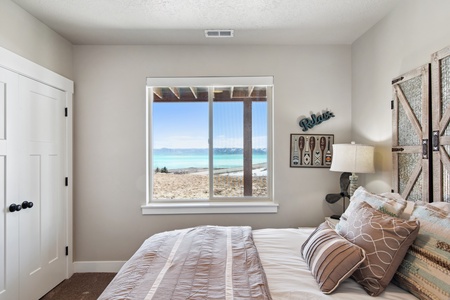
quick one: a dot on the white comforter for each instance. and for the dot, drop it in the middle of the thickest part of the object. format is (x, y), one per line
(289, 277)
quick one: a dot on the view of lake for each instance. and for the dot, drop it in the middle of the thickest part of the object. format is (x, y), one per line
(198, 158)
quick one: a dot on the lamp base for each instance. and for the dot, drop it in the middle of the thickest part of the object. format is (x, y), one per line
(353, 183)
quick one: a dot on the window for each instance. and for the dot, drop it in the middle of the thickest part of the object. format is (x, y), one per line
(209, 141)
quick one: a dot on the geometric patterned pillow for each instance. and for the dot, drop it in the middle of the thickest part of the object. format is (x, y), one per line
(425, 270)
(389, 203)
(385, 240)
(330, 257)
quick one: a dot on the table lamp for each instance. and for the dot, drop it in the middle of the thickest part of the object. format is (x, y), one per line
(350, 158)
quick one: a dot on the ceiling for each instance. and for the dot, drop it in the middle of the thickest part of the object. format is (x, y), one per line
(172, 22)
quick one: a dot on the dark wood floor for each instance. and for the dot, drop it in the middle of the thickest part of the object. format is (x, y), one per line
(81, 286)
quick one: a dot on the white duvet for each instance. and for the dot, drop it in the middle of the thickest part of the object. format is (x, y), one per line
(288, 275)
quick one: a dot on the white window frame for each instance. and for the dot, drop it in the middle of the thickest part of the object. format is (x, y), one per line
(205, 206)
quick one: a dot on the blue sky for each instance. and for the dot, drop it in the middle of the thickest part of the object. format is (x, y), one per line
(185, 125)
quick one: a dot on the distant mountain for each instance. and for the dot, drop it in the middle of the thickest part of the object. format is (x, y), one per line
(238, 151)
(204, 151)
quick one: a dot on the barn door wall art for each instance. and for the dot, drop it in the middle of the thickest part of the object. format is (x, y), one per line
(440, 74)
(421, 131)
(410, 136)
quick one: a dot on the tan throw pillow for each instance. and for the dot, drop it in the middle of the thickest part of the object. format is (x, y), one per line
(330, 257)
(385, 240)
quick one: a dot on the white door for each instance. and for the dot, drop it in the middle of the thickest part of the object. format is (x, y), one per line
(42, 231)
(9, 221)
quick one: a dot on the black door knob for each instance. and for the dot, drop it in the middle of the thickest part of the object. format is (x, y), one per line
(14, 207)
(26, 204)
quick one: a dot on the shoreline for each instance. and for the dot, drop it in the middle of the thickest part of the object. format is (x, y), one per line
(218, 171)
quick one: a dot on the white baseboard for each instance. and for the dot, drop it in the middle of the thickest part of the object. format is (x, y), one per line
(97, 266)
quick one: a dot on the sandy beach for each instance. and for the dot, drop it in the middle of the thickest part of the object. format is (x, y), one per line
(193, 183)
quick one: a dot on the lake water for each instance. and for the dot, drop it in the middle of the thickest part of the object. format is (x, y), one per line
(174, 161)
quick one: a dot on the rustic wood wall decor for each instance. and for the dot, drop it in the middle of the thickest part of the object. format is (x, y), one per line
(440, 85)
(316, 119)
(421, 157)
(311, 151)
(410, 120)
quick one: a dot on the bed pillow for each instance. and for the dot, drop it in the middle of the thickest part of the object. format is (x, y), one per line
(391, 204)
(330, 257)
(425, 270)
(445, 206)
(385, 240)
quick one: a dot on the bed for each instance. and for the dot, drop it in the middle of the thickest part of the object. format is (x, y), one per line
(236, 262)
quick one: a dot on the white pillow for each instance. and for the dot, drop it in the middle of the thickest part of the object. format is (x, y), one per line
(445, 206)
(392, 205)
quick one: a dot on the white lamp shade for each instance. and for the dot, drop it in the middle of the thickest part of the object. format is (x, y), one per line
(352, 158)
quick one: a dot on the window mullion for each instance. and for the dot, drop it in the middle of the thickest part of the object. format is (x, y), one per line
(210, 142)
(149, 144)
(247, 143)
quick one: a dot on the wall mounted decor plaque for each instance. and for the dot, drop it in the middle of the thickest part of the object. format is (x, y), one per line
(315, 119)
(311, 150)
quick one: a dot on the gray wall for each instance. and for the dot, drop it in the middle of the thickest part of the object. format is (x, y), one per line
(26, 36)
(109, 109)
(401, 42)
(110, 125)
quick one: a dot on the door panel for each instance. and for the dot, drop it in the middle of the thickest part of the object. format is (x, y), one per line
(3, 110)
(410, 134)
(440, 66)
(42, 227)
(30, 219)
(9, 221)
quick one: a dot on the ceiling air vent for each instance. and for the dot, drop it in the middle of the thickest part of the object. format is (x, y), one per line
(219, 33)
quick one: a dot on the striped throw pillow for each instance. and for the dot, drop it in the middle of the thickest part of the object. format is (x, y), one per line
(330, 257)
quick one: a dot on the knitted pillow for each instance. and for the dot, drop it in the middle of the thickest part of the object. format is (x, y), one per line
(425, 270)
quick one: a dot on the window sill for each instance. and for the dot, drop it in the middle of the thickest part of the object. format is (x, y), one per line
(209, 208)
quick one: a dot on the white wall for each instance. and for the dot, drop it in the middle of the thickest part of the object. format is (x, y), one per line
(110, 114)
(110, 124)
(109, 117)
(26, 36)
(399, 43)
